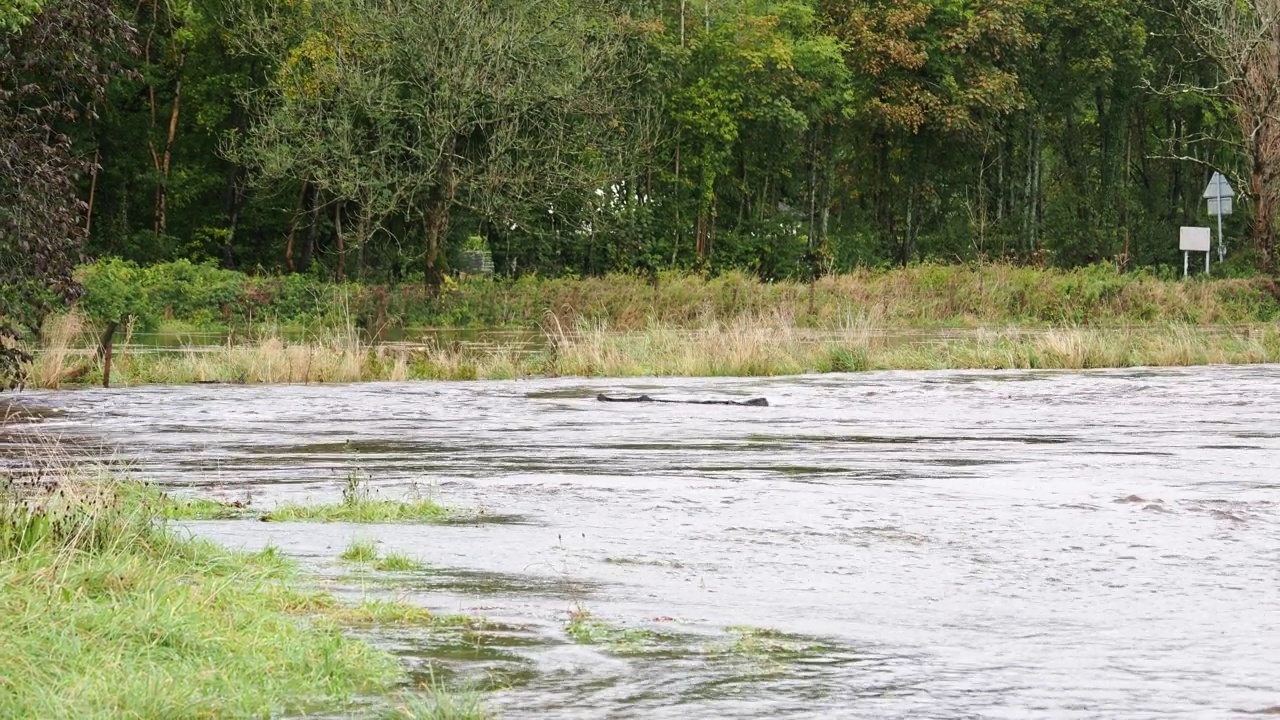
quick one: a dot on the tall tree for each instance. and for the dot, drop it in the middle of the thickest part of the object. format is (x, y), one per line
(399, 112)
(53, 74)
(1242, 39)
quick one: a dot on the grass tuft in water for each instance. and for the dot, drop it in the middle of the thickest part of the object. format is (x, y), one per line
(438, 703)
(360, 551)
(171, 507)
(359, 506)
(398, 562)
(586, 629)
(378, 611)
(365, 511)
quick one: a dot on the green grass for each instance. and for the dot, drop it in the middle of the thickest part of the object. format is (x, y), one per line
(106, 613)
(361, 511)
(923, 295)
(360, 551)
(173, 507)
(360, 506)
(586, 629)
(440, 705)
(398, 562)
(365, 552)
(376, 611)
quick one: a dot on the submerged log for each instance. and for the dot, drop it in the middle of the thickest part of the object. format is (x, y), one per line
(238, 381)
(753, 402)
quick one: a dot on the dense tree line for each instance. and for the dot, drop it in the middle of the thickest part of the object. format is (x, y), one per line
(375, 139)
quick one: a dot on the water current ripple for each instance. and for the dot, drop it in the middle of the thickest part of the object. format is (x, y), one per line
(940, 545)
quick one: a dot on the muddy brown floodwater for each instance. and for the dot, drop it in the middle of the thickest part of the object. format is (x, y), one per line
(881, 545)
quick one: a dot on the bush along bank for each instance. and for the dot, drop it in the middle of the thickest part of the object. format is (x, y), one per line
(183, 294)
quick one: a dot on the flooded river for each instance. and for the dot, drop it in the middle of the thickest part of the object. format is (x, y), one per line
(881, 545)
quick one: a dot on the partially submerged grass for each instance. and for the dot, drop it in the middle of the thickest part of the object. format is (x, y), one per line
(398, 562)
(365, 552)
(360, 506)
(363, 511)
(742, 653)
(174, 507)
(773, 346)
(440, 705)
(586, 629)
(105, 612)
(360, 551)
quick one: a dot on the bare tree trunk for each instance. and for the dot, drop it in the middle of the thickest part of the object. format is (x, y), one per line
(437, 226)
(1028, 206)
(362, 237)
(233, 200)
(298, 209)
(162, 189)
(151, 100)
(1243, 40)
(813, 188)
(309, 250)
(342, 244)
(700, 237)
(1263, 192)
(1036, 188)
(108, 337)
(93, 191)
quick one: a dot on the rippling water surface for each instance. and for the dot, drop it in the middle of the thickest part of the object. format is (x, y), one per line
(894, 545)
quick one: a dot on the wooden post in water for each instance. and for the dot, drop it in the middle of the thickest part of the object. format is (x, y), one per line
(108, 336)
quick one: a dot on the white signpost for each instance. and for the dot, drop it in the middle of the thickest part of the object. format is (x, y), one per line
(1194, 239)
(1219, 193)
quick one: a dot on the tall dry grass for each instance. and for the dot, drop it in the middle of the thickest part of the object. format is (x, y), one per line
(768, 345)
(917, 296)
(770, 342)
(61, 355)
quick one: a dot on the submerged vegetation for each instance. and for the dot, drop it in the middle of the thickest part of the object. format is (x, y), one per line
(740, 653)
(106, 612)
(363, 511)
(359, 505)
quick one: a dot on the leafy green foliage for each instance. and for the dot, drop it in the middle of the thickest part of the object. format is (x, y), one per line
(114, 292)
(378, 139)
(54, 72)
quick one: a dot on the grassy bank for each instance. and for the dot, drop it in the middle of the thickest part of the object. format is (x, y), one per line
(105, 612)
(767, 345)
(182, 295)
(998, 316)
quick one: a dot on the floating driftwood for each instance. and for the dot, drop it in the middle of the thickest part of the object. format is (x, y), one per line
(753, 402)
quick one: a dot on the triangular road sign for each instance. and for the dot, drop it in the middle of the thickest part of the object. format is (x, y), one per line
(1219, 187)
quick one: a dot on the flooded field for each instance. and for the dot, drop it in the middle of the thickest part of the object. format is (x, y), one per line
(880, 545)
